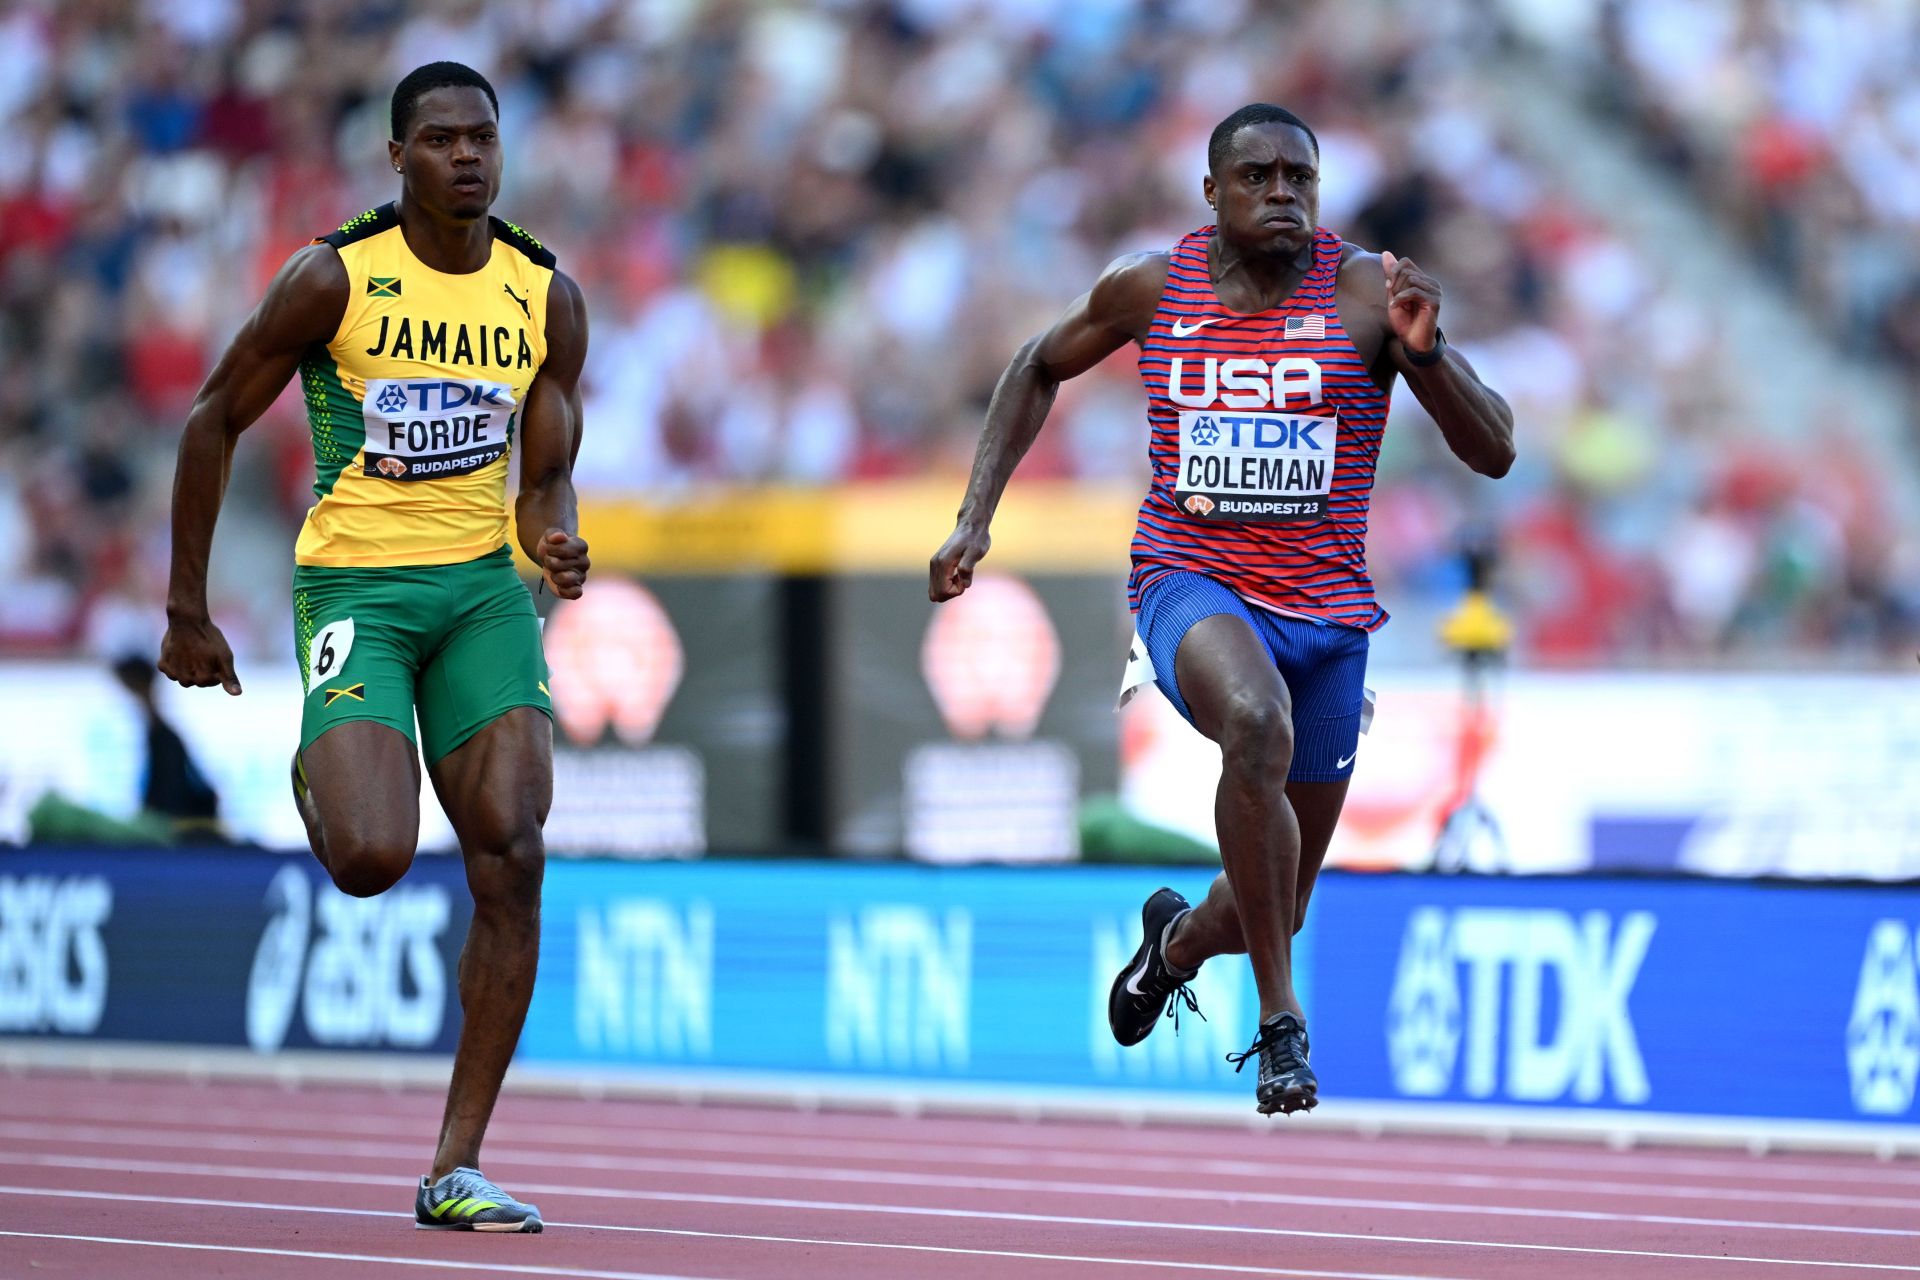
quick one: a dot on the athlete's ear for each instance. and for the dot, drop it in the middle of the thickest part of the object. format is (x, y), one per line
(1208, 190)
(395, 152)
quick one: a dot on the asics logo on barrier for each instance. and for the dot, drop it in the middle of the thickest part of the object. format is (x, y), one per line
(1883, 1032)
(1589, 1045)
(53, 953)
(365, 971)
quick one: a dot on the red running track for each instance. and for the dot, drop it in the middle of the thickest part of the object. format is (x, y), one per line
(131, 1177)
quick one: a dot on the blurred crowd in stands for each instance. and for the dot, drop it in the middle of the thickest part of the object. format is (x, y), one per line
(810, 235)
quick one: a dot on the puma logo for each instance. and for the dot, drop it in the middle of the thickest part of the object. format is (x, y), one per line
(517, 298)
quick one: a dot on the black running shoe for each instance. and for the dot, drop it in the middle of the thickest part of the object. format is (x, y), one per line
(1287, 1083)
(1148, 987)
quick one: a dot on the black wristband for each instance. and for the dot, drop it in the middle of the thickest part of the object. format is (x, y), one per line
(1426, 360)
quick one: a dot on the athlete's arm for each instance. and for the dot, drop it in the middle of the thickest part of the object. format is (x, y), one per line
(303, 305)
(1475, 421)
(1117, 310)
(546, 512)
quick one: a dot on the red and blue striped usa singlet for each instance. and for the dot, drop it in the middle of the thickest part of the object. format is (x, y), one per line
(1264, 433)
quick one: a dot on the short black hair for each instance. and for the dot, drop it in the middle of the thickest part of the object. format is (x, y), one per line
(435, 75)
(1251, 114)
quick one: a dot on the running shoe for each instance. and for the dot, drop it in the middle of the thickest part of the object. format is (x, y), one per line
(1148, 986)
(465, 1201)
(1287, 1083)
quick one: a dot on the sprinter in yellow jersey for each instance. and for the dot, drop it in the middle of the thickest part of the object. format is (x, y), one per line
(433, 343)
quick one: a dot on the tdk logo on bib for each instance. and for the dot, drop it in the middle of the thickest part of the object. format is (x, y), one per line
(428, 428)
(1269, 467)
(1562, 983)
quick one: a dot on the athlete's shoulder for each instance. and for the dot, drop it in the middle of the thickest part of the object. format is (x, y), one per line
(1362, 273)
(1133, 279)
(362, 227)
(522, 240)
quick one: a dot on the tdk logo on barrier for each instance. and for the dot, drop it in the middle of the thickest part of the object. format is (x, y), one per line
(1515, 958)
(1883, 1033)
(354, 985)
(899, 984)
(645, 982)
(53, 958)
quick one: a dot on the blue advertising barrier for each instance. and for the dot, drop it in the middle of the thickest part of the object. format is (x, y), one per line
(227, 948)
(1616, 997)
(1703, 998)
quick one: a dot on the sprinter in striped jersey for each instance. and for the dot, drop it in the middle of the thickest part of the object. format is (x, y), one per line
(1268, 348)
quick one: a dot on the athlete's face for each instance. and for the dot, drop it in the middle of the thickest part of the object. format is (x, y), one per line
(1266, 194)
(451, 154)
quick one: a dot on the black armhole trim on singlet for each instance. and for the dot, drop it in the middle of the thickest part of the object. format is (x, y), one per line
(370, 223)
(532, 249)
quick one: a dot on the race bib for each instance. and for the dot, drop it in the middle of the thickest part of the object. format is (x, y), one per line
(1269, 468)
(430, 428)
(327, 654)
(1137, 674)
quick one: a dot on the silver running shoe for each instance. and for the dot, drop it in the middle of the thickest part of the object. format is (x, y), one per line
(465, 1201)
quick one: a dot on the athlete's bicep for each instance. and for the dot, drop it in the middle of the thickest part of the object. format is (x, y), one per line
(302, 306)
(551, 429)
(1117, 310)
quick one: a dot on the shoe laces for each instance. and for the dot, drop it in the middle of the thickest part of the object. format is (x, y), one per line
(473, 1184)
(1183, 994)
(1277, 1040)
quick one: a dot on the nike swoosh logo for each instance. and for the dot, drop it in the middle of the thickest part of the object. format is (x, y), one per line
(1341, 764)
(1133, 983)
(1181, 329)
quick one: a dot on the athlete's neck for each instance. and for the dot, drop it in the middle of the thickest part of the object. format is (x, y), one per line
(1250, 281)
(455, 247)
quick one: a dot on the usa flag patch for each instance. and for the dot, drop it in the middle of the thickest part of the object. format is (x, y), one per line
(1307, 327)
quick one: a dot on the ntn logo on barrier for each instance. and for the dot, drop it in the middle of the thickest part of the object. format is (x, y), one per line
(900, 988)
(1883, 1031)
(644, 978)
(1460, 971)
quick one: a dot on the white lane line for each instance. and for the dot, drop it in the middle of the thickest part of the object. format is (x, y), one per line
(1360, 1171)
(968, 1182)
(200, 1202)
(443, 1264)
(831, 1206)
(1038, 1138)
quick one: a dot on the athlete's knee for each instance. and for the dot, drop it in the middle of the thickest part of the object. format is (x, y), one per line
(506, 874)
(364, 867)
(1257, 732)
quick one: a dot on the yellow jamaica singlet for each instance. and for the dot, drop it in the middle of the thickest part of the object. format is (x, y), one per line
(414, 402)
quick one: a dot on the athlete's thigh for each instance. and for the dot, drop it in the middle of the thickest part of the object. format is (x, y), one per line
(497, 786)
(487, 661)
(363, 778)
(1223, 666)
(358, 645)
(1325, 668)
(1206, 649)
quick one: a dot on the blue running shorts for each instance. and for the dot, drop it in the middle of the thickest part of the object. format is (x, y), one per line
(1323, 663)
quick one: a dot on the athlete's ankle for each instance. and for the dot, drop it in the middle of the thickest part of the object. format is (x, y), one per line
(1174, 953)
